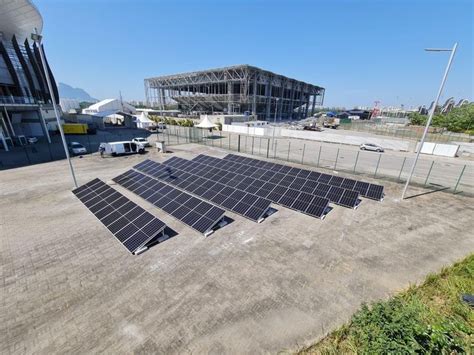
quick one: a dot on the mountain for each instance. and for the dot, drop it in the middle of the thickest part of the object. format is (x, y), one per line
(68, 92)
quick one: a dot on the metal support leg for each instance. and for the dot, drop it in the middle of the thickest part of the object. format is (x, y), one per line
(459, 179)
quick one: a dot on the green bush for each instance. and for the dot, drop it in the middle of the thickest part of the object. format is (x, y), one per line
(459, 119)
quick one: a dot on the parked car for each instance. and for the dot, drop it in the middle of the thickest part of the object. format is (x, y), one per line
(32, 140)
(120, 148)
(372, 147)
(142, 141)
(76, 148)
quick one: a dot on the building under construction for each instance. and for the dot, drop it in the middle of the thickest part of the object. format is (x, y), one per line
(241, 89)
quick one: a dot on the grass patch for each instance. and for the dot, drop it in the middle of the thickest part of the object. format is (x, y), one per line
(425, 319)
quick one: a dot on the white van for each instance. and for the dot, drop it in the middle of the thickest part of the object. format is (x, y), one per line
(119, 148)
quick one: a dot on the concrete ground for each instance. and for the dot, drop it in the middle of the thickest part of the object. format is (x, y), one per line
(67, 286)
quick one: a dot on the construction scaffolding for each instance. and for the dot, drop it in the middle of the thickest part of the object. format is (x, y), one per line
(241, 89)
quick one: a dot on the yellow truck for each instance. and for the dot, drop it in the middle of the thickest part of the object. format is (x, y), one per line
(75, 128)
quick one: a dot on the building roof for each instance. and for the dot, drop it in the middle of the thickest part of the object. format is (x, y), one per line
(19, 18)
(233, 67)
(99, 104)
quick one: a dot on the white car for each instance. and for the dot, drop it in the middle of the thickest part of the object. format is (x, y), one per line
(372, 147)
(142, 141)
(32, 140)
(77, 148)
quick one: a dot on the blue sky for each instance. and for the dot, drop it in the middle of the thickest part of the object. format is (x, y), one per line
(360, 51)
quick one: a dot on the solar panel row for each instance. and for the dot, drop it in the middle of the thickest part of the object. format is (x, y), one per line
(282, 182)
(372, 191)
(244, 204)
(195, 213)
(129, 223)
(315, 206)
(334, 194)
(311, 182)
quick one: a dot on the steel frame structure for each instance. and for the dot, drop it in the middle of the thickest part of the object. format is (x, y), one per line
(235, 90)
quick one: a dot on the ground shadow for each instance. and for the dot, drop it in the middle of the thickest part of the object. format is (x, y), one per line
(427, 192)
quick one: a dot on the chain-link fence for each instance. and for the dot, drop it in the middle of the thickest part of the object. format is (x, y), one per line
(455, 176)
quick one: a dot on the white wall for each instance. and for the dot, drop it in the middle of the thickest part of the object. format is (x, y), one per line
(444, 150)
(255, 131)
(392, 144)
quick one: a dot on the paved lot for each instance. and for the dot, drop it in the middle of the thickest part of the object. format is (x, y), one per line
(67, 286)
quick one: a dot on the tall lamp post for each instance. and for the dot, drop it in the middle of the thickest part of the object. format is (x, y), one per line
(275, 119)
(430, 117)
(36, 37)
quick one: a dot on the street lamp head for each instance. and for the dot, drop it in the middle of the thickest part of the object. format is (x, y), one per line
(438, 49)
(36, 37)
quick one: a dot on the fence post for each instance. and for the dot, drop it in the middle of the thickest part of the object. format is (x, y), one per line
(177, 135)
(259, 145)
(220, 137)
(238, 144)
(302, 154)
(377, 167)
(275, 151)
(429, 173)
(289, 144)
(337, 157)
(230, 136)
(403, 165)
(319, 154)
(253, 141)
(268, 146)
(357, 159)
(459, 179)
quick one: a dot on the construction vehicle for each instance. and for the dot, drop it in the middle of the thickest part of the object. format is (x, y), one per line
(331, 122)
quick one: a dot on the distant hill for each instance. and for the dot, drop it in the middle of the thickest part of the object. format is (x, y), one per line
(68, 92)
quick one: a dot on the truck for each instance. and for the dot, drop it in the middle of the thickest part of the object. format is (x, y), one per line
(75, 128)
(331, 122)
(121, 148)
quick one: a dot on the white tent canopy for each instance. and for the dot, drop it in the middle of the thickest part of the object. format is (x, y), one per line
(143, 121)
(205, 123)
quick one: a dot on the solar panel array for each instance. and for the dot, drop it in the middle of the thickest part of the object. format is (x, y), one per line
(304, 202)
(129, 223)
(365, 189)
(242, 203)
(197, 214)
(287, 180)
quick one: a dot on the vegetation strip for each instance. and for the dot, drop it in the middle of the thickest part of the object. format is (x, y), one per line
(430, 318)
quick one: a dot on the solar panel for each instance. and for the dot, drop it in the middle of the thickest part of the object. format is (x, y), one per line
(176, 203)
(365, 189)
(280, 193)
(127, 221)
(375, 192)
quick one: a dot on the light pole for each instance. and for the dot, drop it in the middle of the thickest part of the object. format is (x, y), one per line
(275, 119)
(430, 117)
(37, 38)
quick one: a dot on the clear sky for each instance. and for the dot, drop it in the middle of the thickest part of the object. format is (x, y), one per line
(360, 51)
